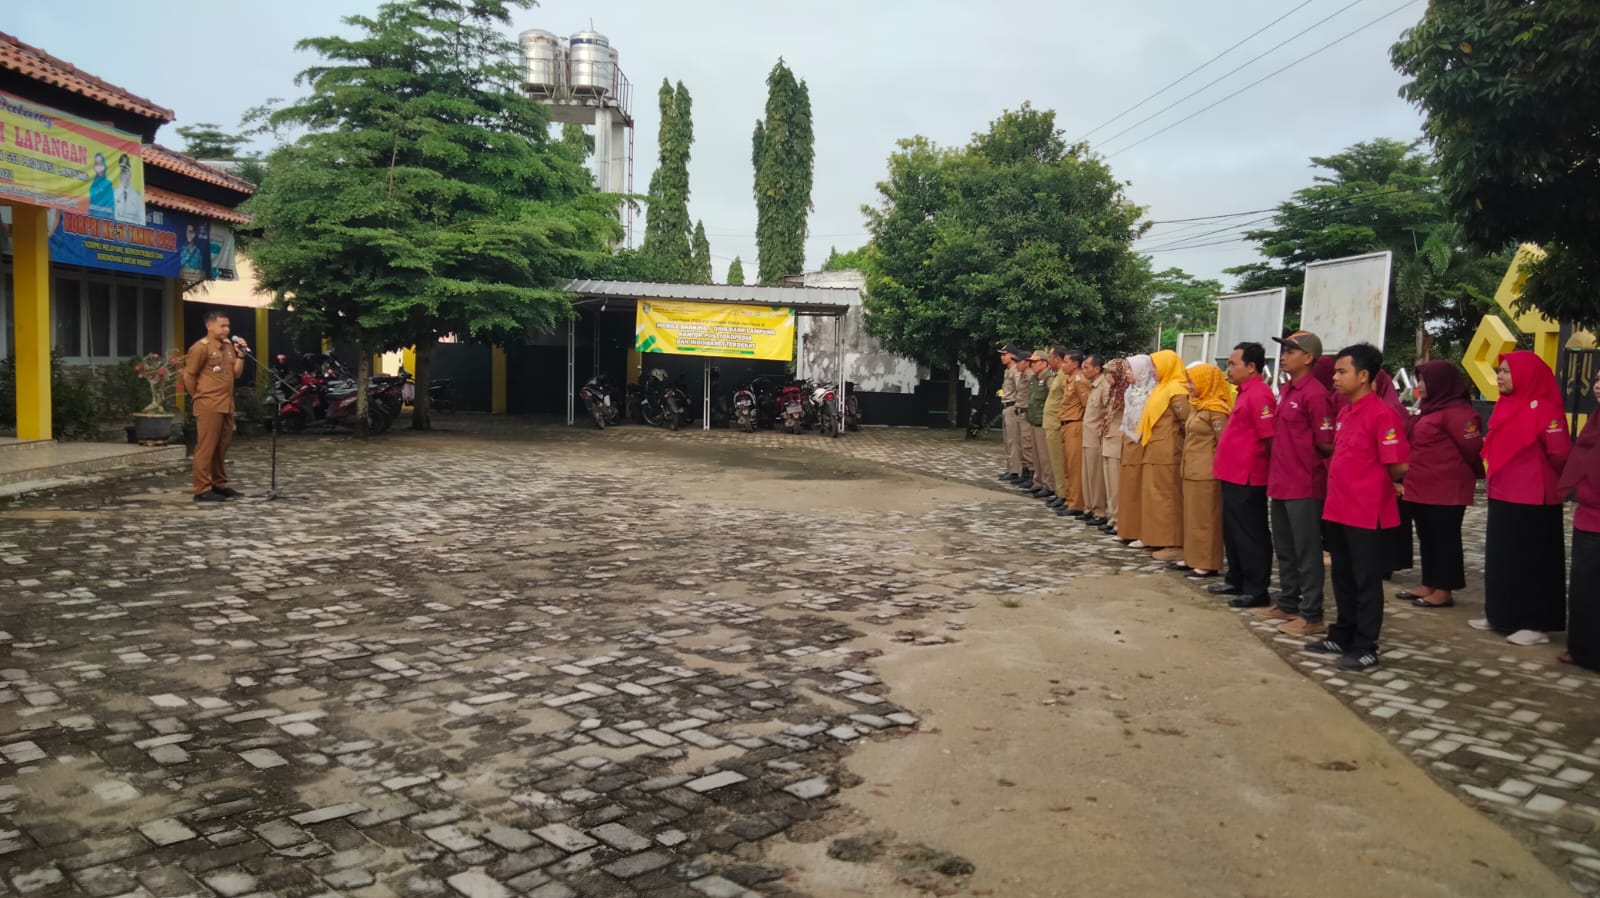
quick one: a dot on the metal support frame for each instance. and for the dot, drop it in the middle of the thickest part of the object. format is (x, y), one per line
(705, 412)
(572, 364)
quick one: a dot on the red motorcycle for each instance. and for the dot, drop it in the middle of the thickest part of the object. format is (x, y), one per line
(324, 393)
(792, 406)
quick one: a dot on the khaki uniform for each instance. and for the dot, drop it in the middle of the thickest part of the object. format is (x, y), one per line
(1010, 422)
(1202, 492)
(1130, 473)
(1072, 410)
(1161, 480)
(209, 368)
(1038, 392)
(1111, 457)
(1052, 432)
(1093, 467)
(1024, 434)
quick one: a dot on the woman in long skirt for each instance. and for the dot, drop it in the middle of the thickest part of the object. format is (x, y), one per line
(1161, 474)
(1582, 475)
(1143, 374)
(1111, 441)
(1524, 554)
(1446, 437)
(1397, 541)
(1210, 403)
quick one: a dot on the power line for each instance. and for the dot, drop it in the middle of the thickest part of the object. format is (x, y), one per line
(1266, 77)
(1179, 249)
(1214, 217)
(1181, 240)
(1193, 71)
(1175, 241)
(1231, 72)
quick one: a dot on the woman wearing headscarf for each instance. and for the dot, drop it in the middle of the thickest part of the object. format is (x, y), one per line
(1211, 401)
(1142, 380)
(1524, 553)
(1446, 437)
(1582, 475)
(1161, 459)
(1111, 439)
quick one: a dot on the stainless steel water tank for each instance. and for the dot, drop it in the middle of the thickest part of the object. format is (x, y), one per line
(543, 61)
(616, 73)
(589, 58)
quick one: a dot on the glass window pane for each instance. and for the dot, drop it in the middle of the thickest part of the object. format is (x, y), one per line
(153, 300)
(99, 320)
(127, 320)
(68, 313)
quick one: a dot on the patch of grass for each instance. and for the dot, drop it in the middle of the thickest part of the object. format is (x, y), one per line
(1010, 602)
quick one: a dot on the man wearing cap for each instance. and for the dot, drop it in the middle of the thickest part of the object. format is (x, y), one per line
(1297, 484)
(1038, 394)
(1010, 422)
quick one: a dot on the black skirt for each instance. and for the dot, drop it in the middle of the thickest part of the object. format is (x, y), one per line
(1397, 549)
(1524, 568)
(1439, 543)
(1583, 623)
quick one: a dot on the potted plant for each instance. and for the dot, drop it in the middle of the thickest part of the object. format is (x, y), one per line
(153, 425)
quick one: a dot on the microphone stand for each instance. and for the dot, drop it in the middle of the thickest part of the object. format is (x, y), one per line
(272, 488)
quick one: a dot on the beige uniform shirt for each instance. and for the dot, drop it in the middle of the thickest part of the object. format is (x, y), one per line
(1072, 407)
(1052, 401)
(1008, 387)
(1095, 410)
(211, 365)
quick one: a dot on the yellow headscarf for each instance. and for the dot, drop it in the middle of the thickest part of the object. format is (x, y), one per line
(1171, 382)
(1211, 389)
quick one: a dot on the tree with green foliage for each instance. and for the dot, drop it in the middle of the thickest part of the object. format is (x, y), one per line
(1381, 195)
(859, 258)
(700, 261)
(1015, 237)
(784, 159)
(205, 140)
(425, 196)
(1183, 304)
(736, 273)
(1512, 94)
(666, 232)
(578, 142)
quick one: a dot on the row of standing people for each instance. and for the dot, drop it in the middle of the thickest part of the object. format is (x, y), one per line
(1206, 473)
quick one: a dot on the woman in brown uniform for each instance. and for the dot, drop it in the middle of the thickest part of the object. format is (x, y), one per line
(1111, 439)
(1161, 474)
(1210, 404)
(1142, 377)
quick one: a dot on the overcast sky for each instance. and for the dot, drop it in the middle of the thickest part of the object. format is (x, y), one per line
(878, 70)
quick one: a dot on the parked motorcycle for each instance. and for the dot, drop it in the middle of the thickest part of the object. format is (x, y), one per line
(599, 402)
(324, 394)
(792, 406)
(662, 403)
(852, 409)
(746, 410)
(826, 411)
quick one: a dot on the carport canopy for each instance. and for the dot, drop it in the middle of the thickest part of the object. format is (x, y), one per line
(813, 302)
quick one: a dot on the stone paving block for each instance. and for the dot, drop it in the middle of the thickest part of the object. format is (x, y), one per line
(281, 834)
(565, 837)
(717, 887)
(230, 883)
(167, 832)
(263, 758)
(323, 815)
(452, 838)
(477, 884)
(509, 838)
(620, 837)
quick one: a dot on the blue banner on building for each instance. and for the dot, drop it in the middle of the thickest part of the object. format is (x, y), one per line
(170, 244)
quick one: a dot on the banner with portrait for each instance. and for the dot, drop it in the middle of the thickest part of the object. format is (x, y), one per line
(59, 161)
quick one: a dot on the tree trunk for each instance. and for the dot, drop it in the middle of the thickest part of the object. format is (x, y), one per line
(421, 408)
(952, 399)
(363, 371)
(1424, 345)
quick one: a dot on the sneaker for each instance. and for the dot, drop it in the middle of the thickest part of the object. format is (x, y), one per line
(1479, 623)
(1274, 613)
(1358, 661)
(1528, 637)
(1302, 628)
(1325, 647)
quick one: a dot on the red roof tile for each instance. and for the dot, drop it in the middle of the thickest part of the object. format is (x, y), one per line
(172, 160)
(166, 199)
(34, 63)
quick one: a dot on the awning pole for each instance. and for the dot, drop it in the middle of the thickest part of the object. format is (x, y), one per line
(706, 411)
(572, 363)
(844, 376)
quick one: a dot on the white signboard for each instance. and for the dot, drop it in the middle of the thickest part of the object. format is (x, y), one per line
(1250, 318)
(1347, 300)
(1196, 348)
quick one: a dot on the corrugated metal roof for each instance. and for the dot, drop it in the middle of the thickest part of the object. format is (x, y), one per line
(811, 300)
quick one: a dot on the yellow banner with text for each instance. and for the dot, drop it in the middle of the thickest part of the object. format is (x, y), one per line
(715, 329)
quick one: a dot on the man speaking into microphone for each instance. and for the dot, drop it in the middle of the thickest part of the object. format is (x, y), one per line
(214, 362)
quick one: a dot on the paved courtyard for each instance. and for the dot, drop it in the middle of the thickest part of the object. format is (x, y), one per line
(527, 660)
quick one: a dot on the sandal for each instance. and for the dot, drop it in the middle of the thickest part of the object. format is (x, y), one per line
(1424, 603)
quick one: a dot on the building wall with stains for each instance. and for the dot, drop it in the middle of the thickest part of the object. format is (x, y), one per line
(868, 365)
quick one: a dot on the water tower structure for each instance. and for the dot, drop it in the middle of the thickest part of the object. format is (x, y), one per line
(579, 81)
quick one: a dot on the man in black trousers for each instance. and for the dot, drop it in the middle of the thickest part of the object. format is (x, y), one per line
(1243, 451)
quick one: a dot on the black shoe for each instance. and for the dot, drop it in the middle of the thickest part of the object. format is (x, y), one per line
(1224, 589)
(209, 496)
(1325, 647)
(1060, 512)
(1077, 513)
(1095, 522)
(1108, 530)
(1358, 661)
(226, 492)
(1008, 477)
(1026, 486)
(1249, 602)
(1055, 502)
(1196, 575)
